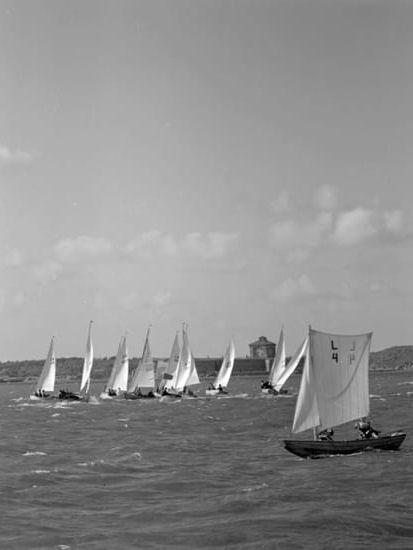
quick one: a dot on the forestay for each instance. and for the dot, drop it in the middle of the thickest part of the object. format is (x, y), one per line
(334, 386)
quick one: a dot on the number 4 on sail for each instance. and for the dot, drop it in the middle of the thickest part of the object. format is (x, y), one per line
(334, 390)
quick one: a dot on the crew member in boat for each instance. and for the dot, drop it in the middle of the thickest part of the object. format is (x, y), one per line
(366, 430)
(326, 435)
(265, 384)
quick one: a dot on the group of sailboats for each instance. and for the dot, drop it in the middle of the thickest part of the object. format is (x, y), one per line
(334, 388)
(46, 382)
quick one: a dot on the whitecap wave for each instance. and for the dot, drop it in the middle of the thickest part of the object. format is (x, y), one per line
(34, 453)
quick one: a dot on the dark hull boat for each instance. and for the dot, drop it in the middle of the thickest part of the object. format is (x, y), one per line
(134, 395)
(320, 449)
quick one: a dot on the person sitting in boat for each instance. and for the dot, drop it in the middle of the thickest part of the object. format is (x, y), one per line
(265, 385)
(221, 389)
(150, 394)
(326, 435)
(211, 387)
(366, 430)
(111, 393)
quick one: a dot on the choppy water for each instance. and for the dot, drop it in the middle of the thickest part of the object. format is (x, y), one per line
(197, 474)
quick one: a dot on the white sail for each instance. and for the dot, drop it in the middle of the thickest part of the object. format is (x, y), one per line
(334, 387)
(88, 361)
(144, 376)
(306, 410)
(118, 379)
(278, 365)
(224, 373)
(292, 365)
(173, 363)
(47, 377)
(186, 373)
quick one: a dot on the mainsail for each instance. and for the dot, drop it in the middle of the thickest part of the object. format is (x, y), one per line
(47, 377)
(87, 362)
(144, 376)
(278, 366)
(118, 379)
(288, 370)
(186, 373)
(334, 385)
(227, 365)
(173, 363)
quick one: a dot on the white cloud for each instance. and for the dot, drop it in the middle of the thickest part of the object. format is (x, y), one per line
(291, 289)
(151, 243)
(354, 226)
(394, 221)
(19, 298)
(47, 271)
(297, 239)
(281, 203)
(9, 156)
(82, 248)
(13, 258)
(161, 299)
(325, 197)
(208, 246)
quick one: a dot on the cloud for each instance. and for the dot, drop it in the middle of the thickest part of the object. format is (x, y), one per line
(9, 156)
(13, 258)
(325, 198)
(208, 246)
(296, 239)
(354, 226)
(291, 289)
(82, 248)
(19, 298)
(152, 242)
(393, 221)
(281, 203)
(47, 271)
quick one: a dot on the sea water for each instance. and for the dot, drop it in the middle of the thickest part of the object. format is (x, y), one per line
(197, 473)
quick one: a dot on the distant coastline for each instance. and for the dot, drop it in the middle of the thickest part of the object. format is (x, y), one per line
(396, 358)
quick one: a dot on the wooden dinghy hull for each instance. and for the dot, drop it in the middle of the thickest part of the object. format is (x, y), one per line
(320, 449)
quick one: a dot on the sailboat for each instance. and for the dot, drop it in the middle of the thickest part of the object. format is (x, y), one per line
(83, 395)
(224, 374)
(118, 379)
(185, 374)
(169, 376)
(277, 368)
(46, 381)
(284, 374)
(334, 390)
(144, 376)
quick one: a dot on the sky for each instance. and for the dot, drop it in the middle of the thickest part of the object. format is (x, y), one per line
(236, 165)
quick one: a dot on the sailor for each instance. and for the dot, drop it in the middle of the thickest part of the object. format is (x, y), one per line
(326, 435)
(220, 389)
(366, 430)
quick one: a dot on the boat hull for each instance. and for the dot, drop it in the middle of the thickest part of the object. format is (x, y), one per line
(216, 392)
(320, 449)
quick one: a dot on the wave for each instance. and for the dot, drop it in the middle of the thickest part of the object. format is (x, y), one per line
(34, 453)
